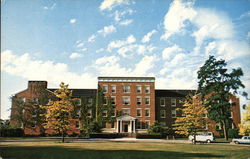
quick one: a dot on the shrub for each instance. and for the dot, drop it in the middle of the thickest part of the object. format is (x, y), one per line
(149, 136)
(157, 128)
(105, 135)
(11, 132)
(233, 133)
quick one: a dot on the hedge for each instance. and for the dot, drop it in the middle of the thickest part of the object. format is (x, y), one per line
(106, 135)
(11, 132)
(149, 136)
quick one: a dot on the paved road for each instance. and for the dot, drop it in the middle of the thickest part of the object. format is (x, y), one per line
(117, 140)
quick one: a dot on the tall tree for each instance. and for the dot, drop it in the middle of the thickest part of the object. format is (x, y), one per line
(216, 86)
(245, 125)
(192, 119)
(59, 112)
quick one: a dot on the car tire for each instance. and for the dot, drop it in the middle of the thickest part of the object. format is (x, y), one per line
(208, 141)
(192, 140)
(236, 142)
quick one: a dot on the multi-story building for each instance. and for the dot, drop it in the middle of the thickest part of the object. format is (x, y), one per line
(135, 101)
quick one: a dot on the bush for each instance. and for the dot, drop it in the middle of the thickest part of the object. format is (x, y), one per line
(149, 136)
(106, 135)
(157, 128)
(11, 132)
(233, 133)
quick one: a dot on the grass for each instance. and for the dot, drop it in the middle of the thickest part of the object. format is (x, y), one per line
(118, 150)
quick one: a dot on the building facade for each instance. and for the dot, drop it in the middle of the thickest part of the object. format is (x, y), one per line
(135, 101)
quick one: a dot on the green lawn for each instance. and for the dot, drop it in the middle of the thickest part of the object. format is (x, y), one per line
(118, 150)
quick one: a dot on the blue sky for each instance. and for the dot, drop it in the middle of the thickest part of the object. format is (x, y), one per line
(77, 41)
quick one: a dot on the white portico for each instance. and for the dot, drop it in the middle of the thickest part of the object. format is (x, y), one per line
(126, 124)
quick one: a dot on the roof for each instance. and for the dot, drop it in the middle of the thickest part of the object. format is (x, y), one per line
(173, 92)
(80, 92)
(126, 79)
(125, 118)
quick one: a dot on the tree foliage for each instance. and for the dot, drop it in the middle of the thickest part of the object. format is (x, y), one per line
(192, 119)
(59, 112)
(157, 128)
(245, 125)
(217, 85)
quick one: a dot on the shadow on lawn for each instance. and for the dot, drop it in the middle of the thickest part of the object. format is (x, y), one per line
(56, 152)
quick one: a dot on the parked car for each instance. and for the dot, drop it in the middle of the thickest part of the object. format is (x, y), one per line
(202, 137)
(243, 140)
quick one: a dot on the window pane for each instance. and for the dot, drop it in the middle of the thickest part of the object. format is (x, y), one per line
(105, 89)
(147, 89)
(162, 102)
(138, 99)
(113, 89)
(147, 100)
(138, 112)
(138, 89)
(126, 89)
(173, 102)
(126, 100)
(147, 112)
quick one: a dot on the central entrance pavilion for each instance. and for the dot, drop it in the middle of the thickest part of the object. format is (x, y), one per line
(126, 124)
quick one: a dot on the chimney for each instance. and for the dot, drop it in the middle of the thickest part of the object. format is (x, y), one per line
(32, 85)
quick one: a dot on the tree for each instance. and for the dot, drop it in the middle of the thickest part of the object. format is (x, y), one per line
(192, 119)
(157, 128)
(59, 112)
(245, 126)
(217, 85)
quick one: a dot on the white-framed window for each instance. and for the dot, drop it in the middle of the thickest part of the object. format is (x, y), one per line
(162, 102)
(89, 112)
(77, 125)
(147, 112)
(163, 113)
(90, 100)
(113, 89)
(105, 100)
(173, 102)
(139, 112)
(147, 89)
(147, 100)
(77, 112)
(163, 123)
(23, 99)
(105, 89)
(112, 124)
(147, 124)
(36, 100)
(138, 100)
(113, 113)
(113, 100)
(126, 89)
(33, 125)
(126, 100)
(138, 124)
(126, 111)
(173, 113)
(231, 114)
(138, 89)
(78, 102)
(104, 113)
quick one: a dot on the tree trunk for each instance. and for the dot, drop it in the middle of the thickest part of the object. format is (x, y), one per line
(63, 136)
(195, 138)
(225, 130)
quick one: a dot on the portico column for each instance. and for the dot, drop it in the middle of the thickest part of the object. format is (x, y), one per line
(117, 126)
(121, 127)
(130, 126)
(134, 126)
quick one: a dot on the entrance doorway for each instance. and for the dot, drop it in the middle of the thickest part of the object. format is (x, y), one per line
(125, 126)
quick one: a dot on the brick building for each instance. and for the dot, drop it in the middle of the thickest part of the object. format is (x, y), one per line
(137, 100)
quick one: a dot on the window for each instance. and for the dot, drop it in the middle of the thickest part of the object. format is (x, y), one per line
(147, 89)
(138, 112)
(89, 113)
(77, 112)
(105, 101)
(33, 125)
(78, 102)
(147, 101)
(231, 114)
(138, 89)
(105, 89)
(23, 99)
(138, 100)
(126, 100)
(126, 89)
(36, 100)
(162, 102)
(173, 112)
(163, 113)
(162, 123)
(112, 124)
(90, 100)
(138, 125)
(173, 102)
(77, 126)
(113, 89)
(103, 124)
(104, 113)
(113, 100)
(113, 113)
(125, 111)
(147, 112)
(147, 124)
(34, 114)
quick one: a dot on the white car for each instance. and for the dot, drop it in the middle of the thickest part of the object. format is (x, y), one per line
(243, 140)
(202, 137)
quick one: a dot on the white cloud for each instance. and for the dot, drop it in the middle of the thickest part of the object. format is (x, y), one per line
(80, 44)
(119, 43)
(135, 48)
(109, 65)
(170, 51)
(26, 67)
(92, 38)
(110, 4)
(177, 14)
(118, 15)
(147, 37)
(248, 35)
(50, 7)
(75, 55)
(72, 21)
(107, 30)
(126, 22)
(99, 50)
